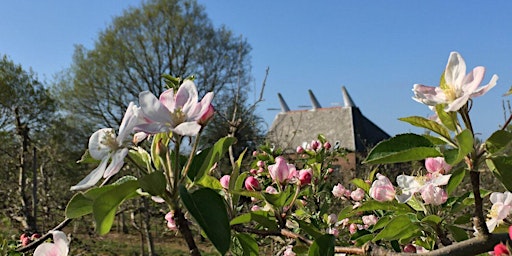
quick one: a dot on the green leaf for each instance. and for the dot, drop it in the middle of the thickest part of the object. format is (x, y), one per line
(428, 124)
(264, 219)
(455, 179)
(159, 147)
(394, 228)
(463, 219)
(87, 158)
(208, 209)
(248, 243)
(501, 167)
(280, 199)
(465, 146)
(209, 181)
(105, 206)
(234, 181)
(402, 148)
(78, 206)
(458, 234)
(309, 229)
(382, 222)
(153, 183)
(448, 119)
(373, 205)
(322, 246)
(433, 219)
(360, 183)
(200, 166)
(499, 141)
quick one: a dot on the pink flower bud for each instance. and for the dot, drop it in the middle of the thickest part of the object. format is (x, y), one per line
(370, 219)
(338, 191)
(260, 164)
(207, 116)
(253, 171)
(25, 241)
(327, 145)
(224, 181)
(252, 184)
(382, 190)
(255, 153)
(271, 190)
(35, 236)
(357, 195)
(410, 248)
(300, 149)
(280, 171)
(500, 250)
(437, 164)
(333, 231)
(169, 217)
(255, 208)
(305, 176)
(352, 228)
(433, 195)
(315, 144)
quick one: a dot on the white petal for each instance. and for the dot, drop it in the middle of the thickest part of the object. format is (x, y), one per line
(186, 97)
(441, 180)
(153, 108)
(116, 163)
(497, 197)
(187, 129)
(97, 148)
(47, 249)
(404, 197)
(61, 241)
(482, 90)
(408, 183)
(455, 71)
(93, 177)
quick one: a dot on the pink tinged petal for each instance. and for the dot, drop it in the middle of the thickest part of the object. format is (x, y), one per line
(60, 247)
(441, 180)
(408, 183)
(186, 97)
(130, 119)
(428, 95)
(508, 198)
(93, 177)
(457, 103)
(116, 164)
(167, 99)
(61, 241)
(224, 181)
(503, 211)
(482, 90)
(153, 109)
(473, 79)
(187, 129)
(455, 71)
(497, 197)
(279, 172)
(97, 147)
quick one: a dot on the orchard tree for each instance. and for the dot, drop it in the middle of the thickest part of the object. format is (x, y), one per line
(25, 110)
(160, 37)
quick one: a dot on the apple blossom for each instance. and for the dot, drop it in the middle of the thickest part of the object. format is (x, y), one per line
(500, 250)
(104, 145)
(171, 224)
(370, 219)
(357, 195)
(414, 184)
(281, 171)
(382, 190)
(437, 164)
(59, 247)
(501, 207)
(224, 181)
(271, 190)
(459, 87)
(338, 191)
(300, 150)
(289, 251)
(433, 195)
(305, 176)
(180, 113)
(332, 218)
(252, 183)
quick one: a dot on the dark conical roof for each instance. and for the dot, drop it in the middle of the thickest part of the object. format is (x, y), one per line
(345, 126)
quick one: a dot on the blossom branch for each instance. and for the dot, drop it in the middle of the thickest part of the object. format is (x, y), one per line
(43, 238)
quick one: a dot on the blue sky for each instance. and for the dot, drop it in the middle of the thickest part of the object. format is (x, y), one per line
(376, 49)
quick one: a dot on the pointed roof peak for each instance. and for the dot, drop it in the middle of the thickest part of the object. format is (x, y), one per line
(346, 98)
(284, 106)
(314, 101)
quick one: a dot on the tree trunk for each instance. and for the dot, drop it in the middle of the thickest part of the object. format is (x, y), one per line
(146, 224)
(34, 190)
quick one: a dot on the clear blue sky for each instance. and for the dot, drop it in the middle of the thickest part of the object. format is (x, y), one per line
(377, 49)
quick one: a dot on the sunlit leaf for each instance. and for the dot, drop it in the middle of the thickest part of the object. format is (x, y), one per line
(323, 246)
(402, 148)
(428, 124)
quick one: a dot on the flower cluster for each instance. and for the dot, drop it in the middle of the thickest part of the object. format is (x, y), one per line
(178, 112)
